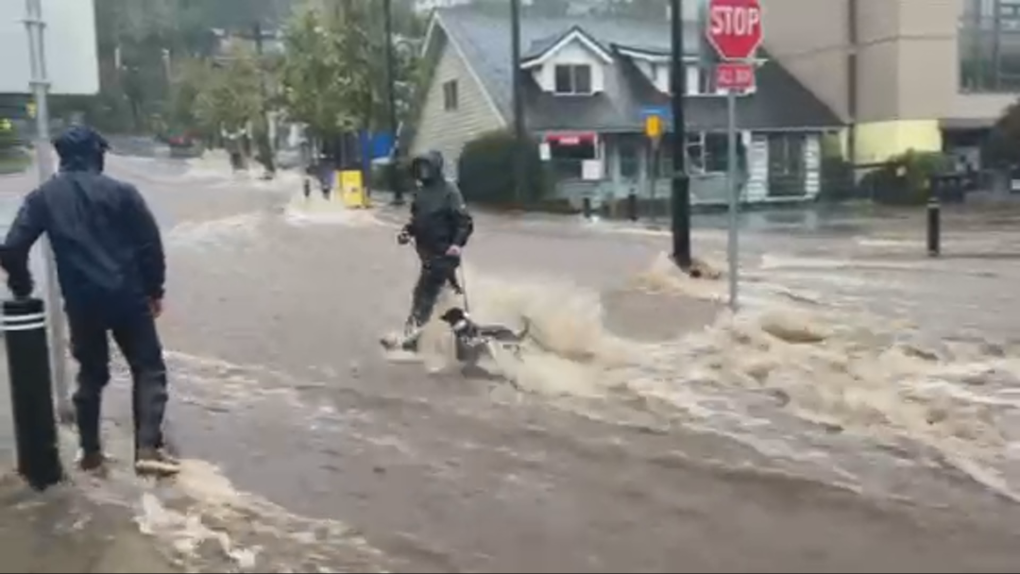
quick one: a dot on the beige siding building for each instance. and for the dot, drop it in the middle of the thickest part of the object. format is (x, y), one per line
(922, 74)
(457, 108)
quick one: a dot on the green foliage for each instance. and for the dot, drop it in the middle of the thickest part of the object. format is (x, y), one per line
(1003, 147)
(905, 179)
(486, 169)
(325, 76)
(9, 139)
(229, 95)
(334, 74)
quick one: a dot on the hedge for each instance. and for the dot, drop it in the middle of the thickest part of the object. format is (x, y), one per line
(486, 169)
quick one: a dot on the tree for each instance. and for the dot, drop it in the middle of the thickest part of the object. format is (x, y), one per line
(230, 96)
(1003, 146)
(324, 83)
(334, 70)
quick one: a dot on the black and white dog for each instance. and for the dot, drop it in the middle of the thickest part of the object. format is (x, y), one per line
(474, 340)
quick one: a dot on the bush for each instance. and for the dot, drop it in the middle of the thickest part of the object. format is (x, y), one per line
(392, 176)
(1002, 148)
(837, 180)
(904, 179)
(486, 169)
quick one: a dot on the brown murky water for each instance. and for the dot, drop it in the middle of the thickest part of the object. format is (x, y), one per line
(832, 426)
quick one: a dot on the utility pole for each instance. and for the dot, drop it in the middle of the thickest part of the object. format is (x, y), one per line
(391, 92)
(267, 143)
(35, 25)
(680, 197)
(515, 47)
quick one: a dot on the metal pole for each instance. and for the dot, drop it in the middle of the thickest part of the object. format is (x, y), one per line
(391, 92)
(680, 196)
(732, 247)
(35, 26)
(518, 101)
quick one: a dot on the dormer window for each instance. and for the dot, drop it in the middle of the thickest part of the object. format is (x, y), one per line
(573, 80)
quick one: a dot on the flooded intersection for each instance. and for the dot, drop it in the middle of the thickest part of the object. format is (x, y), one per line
(834, 426)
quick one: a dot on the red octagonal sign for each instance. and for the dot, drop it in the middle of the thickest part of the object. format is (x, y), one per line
(734, 28)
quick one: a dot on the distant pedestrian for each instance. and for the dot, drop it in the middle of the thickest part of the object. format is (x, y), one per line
(112, 270)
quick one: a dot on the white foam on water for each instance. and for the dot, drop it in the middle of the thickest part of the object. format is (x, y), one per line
(315, 210)
(867, 377)
(215, 231)
(201, 519)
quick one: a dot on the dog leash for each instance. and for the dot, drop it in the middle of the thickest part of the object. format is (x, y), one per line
(463, 287)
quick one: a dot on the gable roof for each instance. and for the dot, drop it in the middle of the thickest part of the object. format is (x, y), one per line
(781, 102)
(540, 51)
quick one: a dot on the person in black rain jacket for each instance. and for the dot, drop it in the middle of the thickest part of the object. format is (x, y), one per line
(440, 226)
(111, 272)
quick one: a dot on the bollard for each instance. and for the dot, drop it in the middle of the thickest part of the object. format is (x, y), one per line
(307, 188)
(934, 216)
(935, 184)
(632, 206)
(28, 367)
(586, 207)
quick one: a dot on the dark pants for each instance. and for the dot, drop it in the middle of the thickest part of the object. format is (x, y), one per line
(138, 341)
(435, 271)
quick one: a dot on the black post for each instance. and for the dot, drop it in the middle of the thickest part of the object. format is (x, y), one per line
(632, 206)
(515, 49)
(28, 366)
(680, 197)
(391, 93)
(586, 207)
(934, 217)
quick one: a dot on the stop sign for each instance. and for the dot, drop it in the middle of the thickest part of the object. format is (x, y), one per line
(734, 28)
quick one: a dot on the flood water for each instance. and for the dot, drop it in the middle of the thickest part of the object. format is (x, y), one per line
(858, 414)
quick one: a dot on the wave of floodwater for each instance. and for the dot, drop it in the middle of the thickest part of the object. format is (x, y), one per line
(792, 374)
(846, 398)
(837, 391)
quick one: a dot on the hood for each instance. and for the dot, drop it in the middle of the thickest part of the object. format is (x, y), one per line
(433, 159)
(81, 148)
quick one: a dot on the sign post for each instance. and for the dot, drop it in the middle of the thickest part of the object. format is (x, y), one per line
(653, 129)
(735, 31)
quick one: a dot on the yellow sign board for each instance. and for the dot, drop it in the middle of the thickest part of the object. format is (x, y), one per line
(653, 126)
(352, 189)
(30, 108)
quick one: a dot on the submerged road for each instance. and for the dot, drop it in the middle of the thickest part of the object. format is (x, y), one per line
(651, 435)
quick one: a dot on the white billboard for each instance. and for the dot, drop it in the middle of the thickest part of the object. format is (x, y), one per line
(72, 57)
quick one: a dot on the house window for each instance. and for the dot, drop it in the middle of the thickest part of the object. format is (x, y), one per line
(630, 159)
(786, 164)
(573, 79)
(989, 46)
(450, 95)
(717, 153)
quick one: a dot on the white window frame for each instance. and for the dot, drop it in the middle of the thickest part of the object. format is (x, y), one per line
(573, 80)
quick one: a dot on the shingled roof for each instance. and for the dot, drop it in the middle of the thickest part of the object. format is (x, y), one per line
(781, 102)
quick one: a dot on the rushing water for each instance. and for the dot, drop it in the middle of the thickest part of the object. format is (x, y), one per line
(861, 406)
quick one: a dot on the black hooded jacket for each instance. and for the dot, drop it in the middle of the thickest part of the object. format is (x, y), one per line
(108, 248)
(439, 217)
